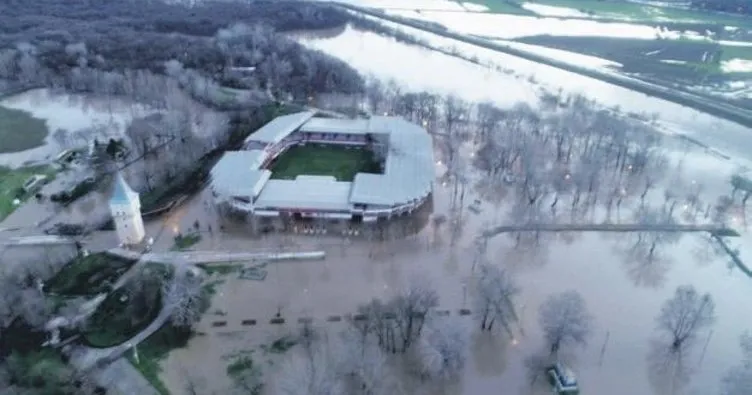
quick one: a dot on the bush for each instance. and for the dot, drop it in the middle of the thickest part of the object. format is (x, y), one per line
(89, 276)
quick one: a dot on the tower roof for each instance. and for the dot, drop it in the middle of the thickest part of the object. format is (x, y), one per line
(121, 192)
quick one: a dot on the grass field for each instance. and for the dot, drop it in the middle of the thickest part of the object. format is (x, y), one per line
(89, 275)
(323, 160)
(623, 10)
(11, 185)
(20, 131)
(129, 309)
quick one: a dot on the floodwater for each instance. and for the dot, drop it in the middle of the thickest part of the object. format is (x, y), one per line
(522, 80)
(73, 120)
(623, 297)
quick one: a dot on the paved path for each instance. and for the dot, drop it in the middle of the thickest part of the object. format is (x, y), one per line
(195, 257)
(713, 229)
(734, 255)
(37, 240)
(122, 378)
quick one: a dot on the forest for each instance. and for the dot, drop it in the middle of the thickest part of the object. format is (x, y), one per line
(53, 42)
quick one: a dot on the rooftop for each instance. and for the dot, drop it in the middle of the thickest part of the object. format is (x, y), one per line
(408, 170)
(121, 192)
(306, 193)
(237, 173)
(281, 127)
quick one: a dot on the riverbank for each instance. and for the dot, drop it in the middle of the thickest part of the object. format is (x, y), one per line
(705, 104)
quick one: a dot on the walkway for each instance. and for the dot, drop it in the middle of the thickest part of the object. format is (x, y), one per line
(36, 240)
(196, 257)
(713, 229)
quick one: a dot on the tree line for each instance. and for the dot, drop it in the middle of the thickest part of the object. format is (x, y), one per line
(54, 43)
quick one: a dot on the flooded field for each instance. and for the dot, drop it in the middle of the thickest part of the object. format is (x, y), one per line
(72, 120)
(623, 294)
(521, 81)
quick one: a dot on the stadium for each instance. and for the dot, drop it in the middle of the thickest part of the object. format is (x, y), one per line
(316, 173)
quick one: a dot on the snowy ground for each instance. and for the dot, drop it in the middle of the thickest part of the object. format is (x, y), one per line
(81, 117)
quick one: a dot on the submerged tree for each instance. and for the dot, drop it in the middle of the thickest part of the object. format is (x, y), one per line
(738, 381)
(684, 315)
(442, 349)
(493, 298)
(565, 319)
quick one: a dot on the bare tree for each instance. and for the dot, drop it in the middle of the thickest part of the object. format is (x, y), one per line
(442, 350)
(684, 315)
(738, 380)
(185, 297)
(364, 365)
(411, 308)
(565, 319)
(310, 372)
(493, 298)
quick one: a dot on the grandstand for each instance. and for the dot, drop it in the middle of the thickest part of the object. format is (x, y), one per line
(300, 168)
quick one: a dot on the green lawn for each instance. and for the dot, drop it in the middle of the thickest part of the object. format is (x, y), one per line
(89, 276)
(129, 309)
(20, 131)
(324, 160)
(183, 242)
(11, 184)
(157, 346)
(154, 349)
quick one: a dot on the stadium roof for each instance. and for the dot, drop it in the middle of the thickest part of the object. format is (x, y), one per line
(276, 130)
(306, 193)
(237, 173)
(408, 169)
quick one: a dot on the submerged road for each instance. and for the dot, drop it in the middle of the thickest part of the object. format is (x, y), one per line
(705, 104)
(713, 229)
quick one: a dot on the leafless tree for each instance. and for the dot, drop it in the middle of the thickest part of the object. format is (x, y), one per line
(738, 380)
(411, 307)
(684, 315)
(310, 372)
(494, 298)
(364, 365)
(185, 297)
(565, 319)
(442, 350)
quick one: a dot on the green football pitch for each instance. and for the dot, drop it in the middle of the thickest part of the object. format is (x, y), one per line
(324, 160)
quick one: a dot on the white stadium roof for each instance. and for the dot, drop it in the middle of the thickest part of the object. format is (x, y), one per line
(237, 173)
(408, 171)
(279, 128)
(306, 193)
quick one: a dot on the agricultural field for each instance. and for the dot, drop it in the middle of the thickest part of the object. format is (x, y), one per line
(678, 61)
(619, 10)
(20, 131)
(319, 160)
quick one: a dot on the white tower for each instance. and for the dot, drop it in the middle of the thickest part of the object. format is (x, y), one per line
(125, 207)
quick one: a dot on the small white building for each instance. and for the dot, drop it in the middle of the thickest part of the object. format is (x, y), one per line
(125, 207)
